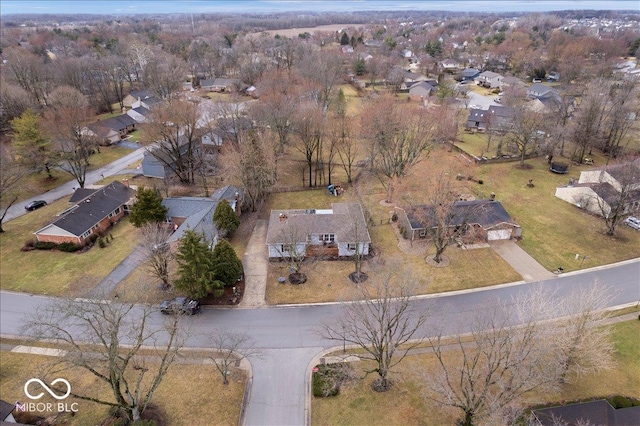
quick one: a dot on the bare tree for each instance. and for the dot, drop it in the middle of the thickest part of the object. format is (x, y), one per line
(172, 137)
(292, 246)
(347, 146)
(309, 124)
(15, 101)
(29, 72)
(230, 348)
(524, 132)
(620, 120)
(382, 322)
(495, 364)
(106, 339)
(156, 251)
(251, 166)
(66, 118)
(399, 135)
(586, 129)
(11, 174)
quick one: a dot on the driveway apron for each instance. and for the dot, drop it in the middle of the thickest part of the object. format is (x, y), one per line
(520, 260)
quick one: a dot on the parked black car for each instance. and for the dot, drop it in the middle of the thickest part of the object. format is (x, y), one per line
(180, 306)
(35, 205)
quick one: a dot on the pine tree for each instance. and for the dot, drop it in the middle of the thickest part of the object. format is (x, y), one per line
(196, 275)
(31, 141)
(148, 208)
(227, 266)
(225, 219)
(344, 40)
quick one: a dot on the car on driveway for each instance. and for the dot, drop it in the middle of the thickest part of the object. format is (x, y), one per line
(34, 205)
(180, 306)
(633, 222)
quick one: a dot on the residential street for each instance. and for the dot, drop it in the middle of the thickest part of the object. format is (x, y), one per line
(287, 335)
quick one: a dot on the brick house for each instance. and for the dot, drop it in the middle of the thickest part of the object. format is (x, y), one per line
(91, 213)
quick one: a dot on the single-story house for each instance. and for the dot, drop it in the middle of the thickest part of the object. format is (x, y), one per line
(497, 118)
(467, 74)
(196, 213)
(223, 85)
(340, 231)
(510, 81)
(123, 124)
(136, 95)
(139, 114)
(484, 220)
(539, 90)
(89, 215)
(104, 135)
(421, 90)
(158, 163)
(410, 78)
(599, 412)
(449, 64)
(489, 79)
(206, 84)
(602, 187)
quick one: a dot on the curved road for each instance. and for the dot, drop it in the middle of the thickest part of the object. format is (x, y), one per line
(288, 339)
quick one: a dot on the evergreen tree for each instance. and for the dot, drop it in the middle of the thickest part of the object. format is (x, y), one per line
(225, 219)
(196, 275)
(148, 208)
(227, 266)
(31, 141)
(344, 40)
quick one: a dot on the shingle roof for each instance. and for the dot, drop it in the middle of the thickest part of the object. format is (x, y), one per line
(595, 412)
(486, 213)
(344, 220)
(226, 193)
(93, 208)
(198, 215)
(117, 123)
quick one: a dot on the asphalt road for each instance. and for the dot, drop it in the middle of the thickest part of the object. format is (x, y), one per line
(69, 187)
(288, 339)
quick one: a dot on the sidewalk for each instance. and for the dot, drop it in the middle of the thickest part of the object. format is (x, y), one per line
(522, 262)
(255, 266)
(119, 273)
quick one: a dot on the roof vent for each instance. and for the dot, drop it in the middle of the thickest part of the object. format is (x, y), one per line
(88, 200)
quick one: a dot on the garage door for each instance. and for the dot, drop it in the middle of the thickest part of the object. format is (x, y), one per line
(500, 234)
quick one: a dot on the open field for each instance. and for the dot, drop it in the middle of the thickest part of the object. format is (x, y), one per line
(178, 398)
(357, 404)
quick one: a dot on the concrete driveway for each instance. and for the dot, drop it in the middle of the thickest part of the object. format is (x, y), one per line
(255, 266)
(521, 261)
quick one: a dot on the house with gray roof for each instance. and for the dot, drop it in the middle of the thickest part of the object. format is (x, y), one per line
(467, 74)
(489, 79)
(196, 213)
(91, 214)
(139, 114)
(338, 232)
(599, 412)
(599, 189)
(421, 90)
(484, 220)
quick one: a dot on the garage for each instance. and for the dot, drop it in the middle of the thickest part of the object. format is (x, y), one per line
(499, 234)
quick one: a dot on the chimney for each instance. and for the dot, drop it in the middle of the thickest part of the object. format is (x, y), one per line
(125, 182)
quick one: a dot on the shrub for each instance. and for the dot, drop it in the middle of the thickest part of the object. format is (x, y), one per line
(329, 378)
(620, 401)
(101, 242)
(93, 238)
(29, 243)
(69, 247)
(44, 245)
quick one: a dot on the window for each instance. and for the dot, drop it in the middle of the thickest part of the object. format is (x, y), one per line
(423, 233)
(86, 234)
(284, 248)
(327, 238)
(352, 246)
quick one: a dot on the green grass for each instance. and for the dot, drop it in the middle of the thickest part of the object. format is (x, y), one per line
(553, 230)
(357, 404)
(476, 144)
(54, 272)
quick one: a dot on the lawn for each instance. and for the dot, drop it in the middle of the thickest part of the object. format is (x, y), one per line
(178, 398)
(476, 144)
(54, 272)
(553, 230)
(357, 404)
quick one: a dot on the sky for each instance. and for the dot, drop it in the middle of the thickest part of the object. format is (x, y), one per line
(220, 6)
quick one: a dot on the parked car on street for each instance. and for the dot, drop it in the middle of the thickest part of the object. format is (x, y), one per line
(180, 306)
(35, 205)
(633, 222)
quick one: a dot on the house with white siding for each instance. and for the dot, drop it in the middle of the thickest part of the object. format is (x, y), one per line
(338, 232)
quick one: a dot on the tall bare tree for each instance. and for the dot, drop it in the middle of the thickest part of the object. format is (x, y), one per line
(524, 130)
(400, 135)
(309, 123)
(156, 251)
(105, 340)
(171, 135)
(382, 322)
(66, 117)
(622, 199)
